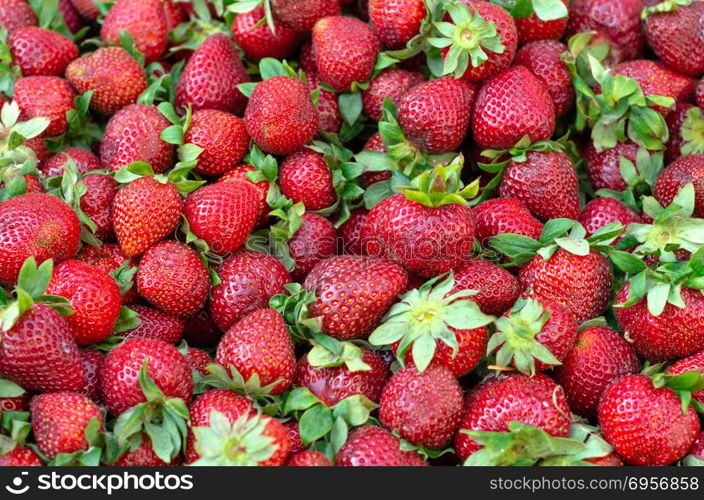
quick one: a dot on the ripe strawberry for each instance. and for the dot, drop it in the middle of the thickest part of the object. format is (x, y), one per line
(16, 14)
(20, 456)
(329, 117)
(505, 215)
(35, 225)
(370, 446)
(240, 174)
(210, 77)
(499, 400)
(96, 203)
(84, 160)
(542, 58)
(248, 279)
(305, 177)
(38, 51)
(645, 422)
(391, 84)
(498, 289)
(59, 421)
(72, 18)
(223, 138)
(166, 366)
(685, 170)
(201, 330)
(256, 39)
(95, 298)
(113, 75)
(86, 8)
(144, 212)
(144, 20)
(222, 214)
(314, 241)
(47, 96)
(656, 80)
(349, 233)
(134, 134)
(353, 293)
(143, 456)
(308, 459)
(510, 105)
(435, 115)
(156, 325)
(600, 356)
(280, 115)
(259, 344)
(92, 368)
(694, 362)
(602, 211)
(199, 360)
(345, 51)
(335, 383)
(108, 257)
(603, 168)
(673, 32)
(532, 28)
(294, 437)
(173, 279)
(302, 16)
(397, 21)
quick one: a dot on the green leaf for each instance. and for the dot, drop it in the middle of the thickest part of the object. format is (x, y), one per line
(315, 423)
(350, 104)
(549, 10)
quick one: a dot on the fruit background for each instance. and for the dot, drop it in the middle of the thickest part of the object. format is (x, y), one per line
(322, 232)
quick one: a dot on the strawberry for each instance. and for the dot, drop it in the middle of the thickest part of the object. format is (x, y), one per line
(223, 138)
(498, 289)
(259, 345)
(349, 233)
(113, 75)
(543, 59)
(16, 14)
(86, 8)
(308, 459)
(435, 115)
(505, 215)
(143, 456)
(645, 421)
(391, 84)
(241, 174)
(210, 77)
(687, 169)
(345, 51)
(94, 296)
(248, 279)
(166, 366)
(38, 51)
(353, 293)
(199, 360)
(96, 203)
(108, 257)
(93, 368)
(499, 400)
(686, 129)
(603, 168)
(329, 117)
(303, 16)
(47, 96)
(695, 362)
(72, 18)
(332, 384)
(511, 105)
(672, 30)
(134, 134)
(313, 242)
(143, 20)
(258, 41)
(603, 211)
(60, 420)
(173, 279)
(35, 225)
(370, 446)
(696, 453)
(396, 21)
(654, 80)
(533, 28)
(599, 356)
(305, 177)
(85, 162)
(156, 325)
(20, 456)
(280, 115)
(222, 214)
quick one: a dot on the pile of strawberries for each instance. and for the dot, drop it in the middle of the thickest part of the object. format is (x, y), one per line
(322, 232)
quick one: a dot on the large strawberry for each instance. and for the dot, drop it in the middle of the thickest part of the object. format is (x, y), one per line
(389, 84)
(241, 173)
(47, 96)
(685, 170)
(544, 25)
(304, 176)
(16, 14)
(497, 289)
(143, 20)
(396, 21)
(505, 215)
(370, 446)
(223, 138)
(259, 40)
(39, 51)
(601, 212)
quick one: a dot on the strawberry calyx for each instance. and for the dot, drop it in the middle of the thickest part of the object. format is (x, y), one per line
(692, 132)
(290, 220)
(202, 24)
(82, 131)
(546, 10)
(163, 419)
(15, 425)
(16, 159)
(220, 377)
(665, 6)
(270, 68)
(178, 176)
(187, 153)
(684, 385)
(9, 73)
(294, 307)
(426, 315)
(328, 352)
(640, 178)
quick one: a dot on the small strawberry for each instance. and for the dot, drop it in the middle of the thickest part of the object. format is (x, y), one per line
(543, 25)
(313, 242)
(241, 173)
(156, 325)
(389, 84)
(370, 446)
(308, 459)
(85, 162)
(603, 211)
(656, 80)
(497, 288)
(47, 96)
(685, 170)
(16, 14)
(257, 39)
(305, 177)
(199, 360)
(93, 368)
(223, 138)
(505, 215)
(41, 52)
(303, 16)
(143, 20)
(397, 21)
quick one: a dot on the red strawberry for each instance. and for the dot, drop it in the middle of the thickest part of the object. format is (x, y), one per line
(156, 325)
(294, 436)
(397, 21)
(307, 58)
(166, 366)
(301, 16)
(248, 279)
(656, 80)
(108, 257)
(280, 115)
(305, 177)
(602, 211)
(59, 421)
(259, 344)
(72, 18)
(223, 138)
(199, 360)
(314, 241)
(308, 459)
(254, 36)
(603, 168)
(684, 119)
(173, 279)
(532, 28)
(201, 330)
(144, 20)
(345, 51)
(93, 368)
(20, 456)
(95, 298)
(435, 115)
(646, 423)
(498, 289)
(391, 84)
(85, 162)
(86, 8)
(240, 174)
(499, 400)
(222, 214)
(16, 14)
(329, 117)
(333, 384)
(542, 58)
(509, 106)
(38, 51)
(144, 212)
(353, 293)
(143, 456)
(370, 446)
(134, 134)
(96, 203)
(113, 75)
(47, 96)
(695, 362)
(349, 233)
(505, 215)
(687, 169)
(210, 78)
(35, 225)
